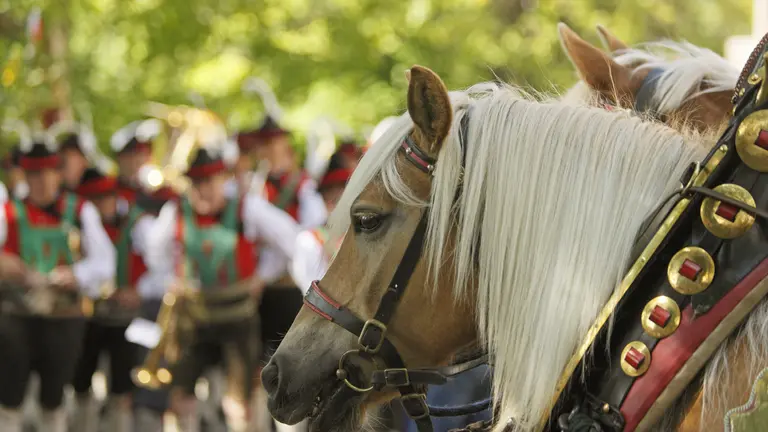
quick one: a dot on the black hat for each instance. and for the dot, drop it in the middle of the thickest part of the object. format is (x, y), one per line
(39, 155)
(205, 164)
(96, 183)
(270, 128)
(337, 173)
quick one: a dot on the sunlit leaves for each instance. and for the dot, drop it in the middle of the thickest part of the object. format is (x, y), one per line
(343, 58)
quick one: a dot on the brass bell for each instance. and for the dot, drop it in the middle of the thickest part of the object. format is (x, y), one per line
(724, 220)
(660, 317)
(691, 270)
(635, 359)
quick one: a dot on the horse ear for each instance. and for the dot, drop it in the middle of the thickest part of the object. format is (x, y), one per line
(610, 42)
(429, 107)
(594, 66)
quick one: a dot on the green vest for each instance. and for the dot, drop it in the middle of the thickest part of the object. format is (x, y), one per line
(210, 251)
(45, 247)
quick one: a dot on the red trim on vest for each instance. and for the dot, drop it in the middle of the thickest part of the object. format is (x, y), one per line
(127, 193)
(38, 163)
(35, 218)
(136, 265)
(673, 352)
(246, 257)
(273, 192)
(11, 245)
(206, 170)
(335, 177)
(101, 186)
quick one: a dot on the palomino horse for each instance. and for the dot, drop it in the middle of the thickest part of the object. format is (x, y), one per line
(528, 212)
(684, 85)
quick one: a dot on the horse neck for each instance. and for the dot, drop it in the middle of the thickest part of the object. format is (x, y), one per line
(556, 209)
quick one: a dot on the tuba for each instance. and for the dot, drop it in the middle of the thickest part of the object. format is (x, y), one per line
(189, 129)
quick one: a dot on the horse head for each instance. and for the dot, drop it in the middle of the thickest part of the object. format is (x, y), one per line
(680, 83)
(426, 328)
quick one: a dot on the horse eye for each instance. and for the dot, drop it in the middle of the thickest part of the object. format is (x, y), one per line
(368, 222)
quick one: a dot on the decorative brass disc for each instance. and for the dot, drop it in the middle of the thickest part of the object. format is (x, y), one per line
(747, 138)
(690, 256)
(635, 351)
(660, 308)
(719, 225)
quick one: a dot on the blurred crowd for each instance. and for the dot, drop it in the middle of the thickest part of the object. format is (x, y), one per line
(165, 280)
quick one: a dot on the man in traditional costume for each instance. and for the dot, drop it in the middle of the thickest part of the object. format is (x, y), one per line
(151, 404)
(209, 241)
(312, 252)
(132, 146)
(77, 149)
(43, 281)
(112, 313)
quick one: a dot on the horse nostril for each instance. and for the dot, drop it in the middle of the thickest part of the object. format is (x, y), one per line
(270, 376)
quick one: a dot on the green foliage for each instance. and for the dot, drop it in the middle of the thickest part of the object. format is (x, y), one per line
(344, 58)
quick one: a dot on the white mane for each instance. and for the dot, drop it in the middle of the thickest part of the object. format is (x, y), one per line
(689, 71)
(553, 196)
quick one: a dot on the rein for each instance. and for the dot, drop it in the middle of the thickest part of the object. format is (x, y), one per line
(372, 339)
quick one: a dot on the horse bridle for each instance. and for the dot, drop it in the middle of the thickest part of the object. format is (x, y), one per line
(372, 333)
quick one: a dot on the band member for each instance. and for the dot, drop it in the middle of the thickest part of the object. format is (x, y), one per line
(132, 146)
(288, 186)
(312, 251)
(43, 280)
(112, 313)
(209, 242)
(151, 404)
(251, 166)
(73, 160)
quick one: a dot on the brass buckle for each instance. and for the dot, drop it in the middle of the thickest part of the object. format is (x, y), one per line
(422, 400)
(404, 371)
(372, 323)
(343, 375)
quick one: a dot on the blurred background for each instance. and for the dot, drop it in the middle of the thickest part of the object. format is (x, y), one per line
(101, 60)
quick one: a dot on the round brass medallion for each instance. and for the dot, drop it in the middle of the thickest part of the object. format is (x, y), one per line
(751, 141)
(724, 220)
(691, 270)
(660, 317)
(635, 359)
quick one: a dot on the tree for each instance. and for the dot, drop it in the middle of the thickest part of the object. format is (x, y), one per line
(340, 57)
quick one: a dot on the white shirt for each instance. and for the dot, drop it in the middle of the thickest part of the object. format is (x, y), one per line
(310, 261)
(21, 190)
(312, 214)
(261, 221)
(312, 210)
(3, 193)
(98, 263)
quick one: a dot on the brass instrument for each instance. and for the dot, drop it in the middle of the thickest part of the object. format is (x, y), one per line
(150, 374)
(190, 129)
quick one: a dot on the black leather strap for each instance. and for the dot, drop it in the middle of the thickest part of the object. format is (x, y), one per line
(374, 334)
(319, 302)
